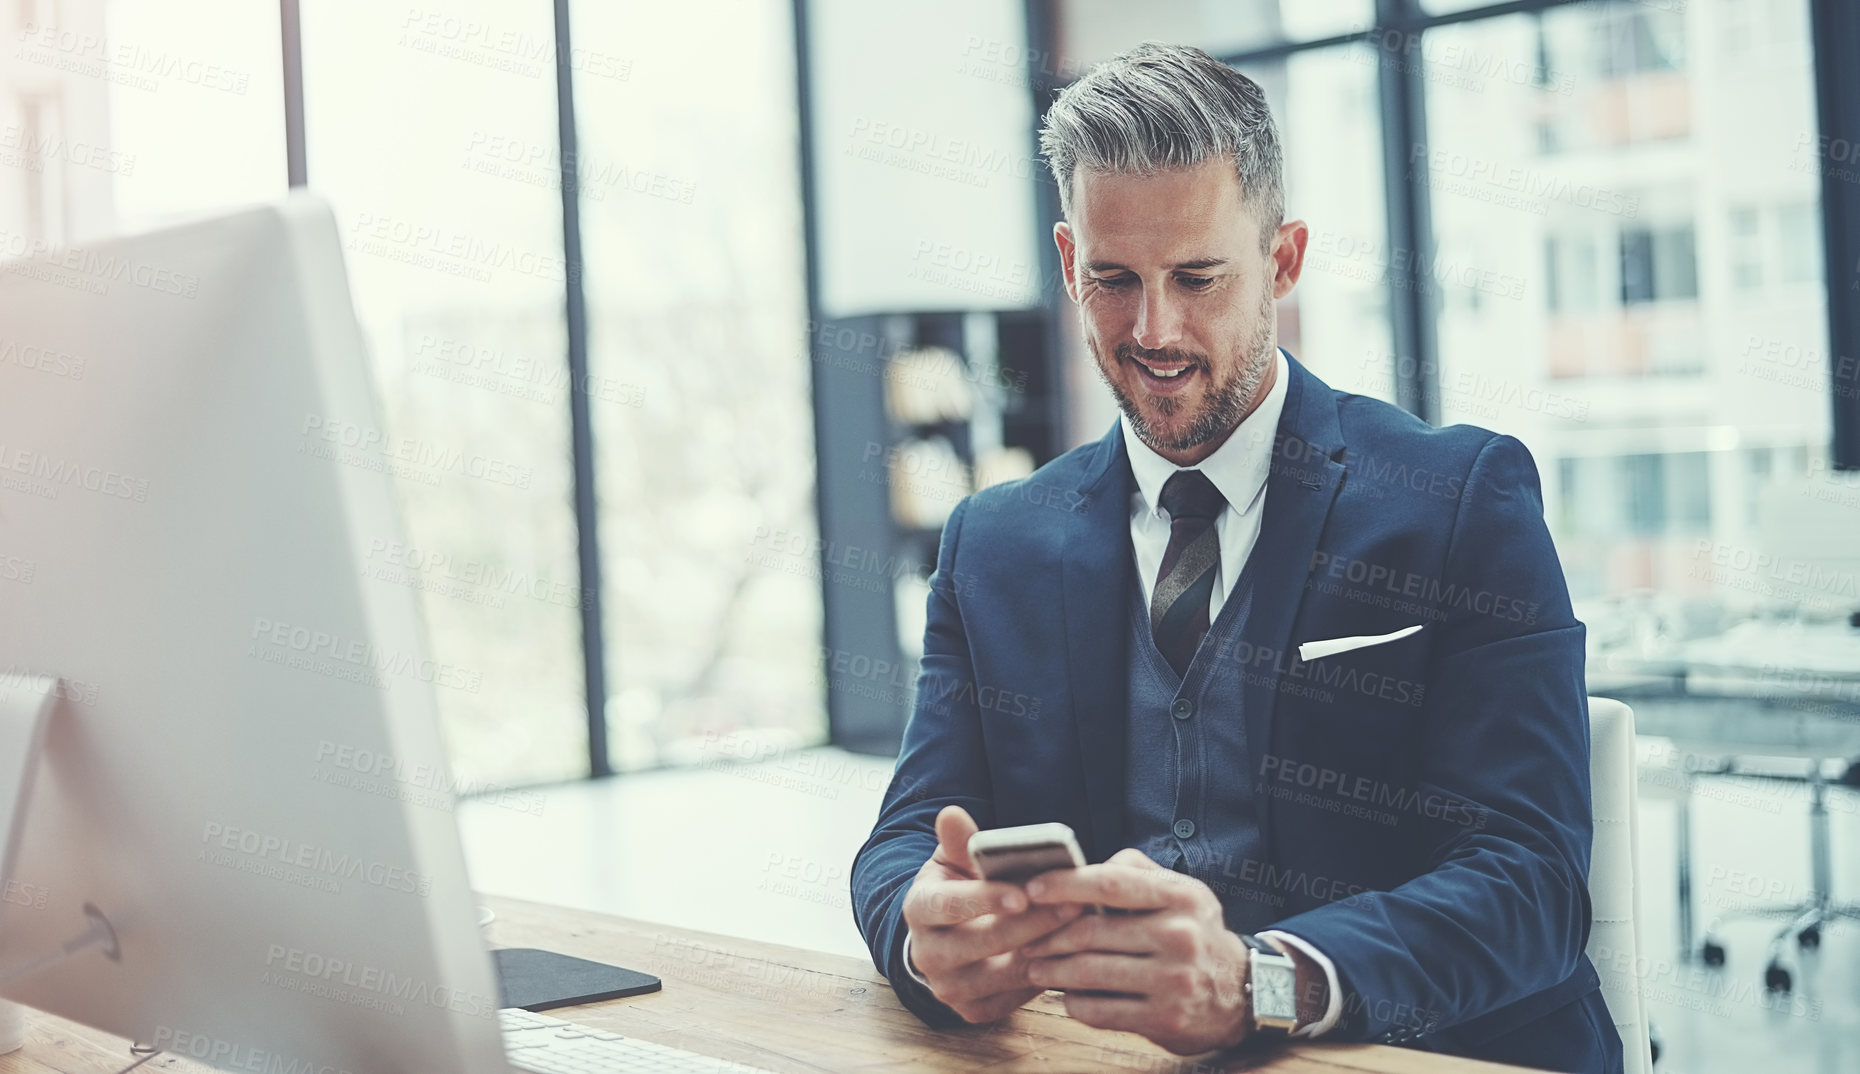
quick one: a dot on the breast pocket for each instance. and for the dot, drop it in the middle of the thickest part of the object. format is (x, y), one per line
(1361, 675)
(1345, 736)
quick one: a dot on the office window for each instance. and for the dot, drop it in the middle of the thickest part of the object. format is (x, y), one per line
(1746, 243)
(1453, 7)
(1615, 75)
(117, 117)
(1336, 321)
(1740, 25)
(1755, 27)
(1677, 500)
(1761, 463)
(1657, 265)
(1774, 247)
(1798, 228)
(433, 134)
(1572, 280)
(1642, 495)
(1626, 40)
(698, 341)
(1096, 30)
(1657, 198)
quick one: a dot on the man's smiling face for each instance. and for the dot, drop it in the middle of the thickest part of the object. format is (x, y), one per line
(1175, 291)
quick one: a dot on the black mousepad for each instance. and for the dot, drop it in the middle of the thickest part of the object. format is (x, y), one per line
(541, 980)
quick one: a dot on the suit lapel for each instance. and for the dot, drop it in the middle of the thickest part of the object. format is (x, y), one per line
(1300, 490)
(1094, 591)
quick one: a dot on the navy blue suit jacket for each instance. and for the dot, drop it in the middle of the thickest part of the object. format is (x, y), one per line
(1424, 803)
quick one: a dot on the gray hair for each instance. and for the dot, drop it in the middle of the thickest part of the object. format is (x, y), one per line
(1164, 107)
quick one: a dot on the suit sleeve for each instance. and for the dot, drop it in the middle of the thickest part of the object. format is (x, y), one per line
(1503, 910)
(941, 763)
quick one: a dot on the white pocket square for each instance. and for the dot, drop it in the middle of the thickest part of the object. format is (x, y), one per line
(1313, 650)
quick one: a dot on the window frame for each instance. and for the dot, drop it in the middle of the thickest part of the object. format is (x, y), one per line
(1834, 30)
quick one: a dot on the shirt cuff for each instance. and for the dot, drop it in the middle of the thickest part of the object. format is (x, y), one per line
(911, 968)
(1334, 1003)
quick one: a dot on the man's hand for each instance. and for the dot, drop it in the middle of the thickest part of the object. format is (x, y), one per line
(966, 932)
(1178, 971)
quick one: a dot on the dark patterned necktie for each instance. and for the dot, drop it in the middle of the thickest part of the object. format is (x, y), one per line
(1179, 604)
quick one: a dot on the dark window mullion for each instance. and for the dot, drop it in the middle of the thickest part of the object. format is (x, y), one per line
(581, 428)
(1835, 27)
(1410, 21)
(1411, 283)
(290, 37)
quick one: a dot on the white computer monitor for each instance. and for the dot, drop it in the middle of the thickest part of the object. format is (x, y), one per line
(239, 772)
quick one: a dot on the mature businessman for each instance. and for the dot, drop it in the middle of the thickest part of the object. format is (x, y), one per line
(1311, 692)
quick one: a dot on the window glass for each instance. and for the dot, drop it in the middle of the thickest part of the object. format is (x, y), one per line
(698, 338)
(1649, 350)
(1098, 29)
(432, 131)
(121, 116)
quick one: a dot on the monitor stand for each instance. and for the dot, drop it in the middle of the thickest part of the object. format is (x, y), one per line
(528, 978)
(27, 704)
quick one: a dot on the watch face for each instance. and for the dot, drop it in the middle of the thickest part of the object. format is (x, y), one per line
(1274, 991)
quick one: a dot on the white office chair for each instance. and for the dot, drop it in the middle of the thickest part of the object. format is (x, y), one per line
(1614, 889)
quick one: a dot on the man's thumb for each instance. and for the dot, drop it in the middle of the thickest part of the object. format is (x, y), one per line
(954, 826)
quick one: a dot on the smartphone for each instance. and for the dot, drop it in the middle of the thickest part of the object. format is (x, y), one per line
(1017, 855)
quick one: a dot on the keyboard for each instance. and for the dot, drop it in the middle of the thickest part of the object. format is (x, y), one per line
(545, 1045)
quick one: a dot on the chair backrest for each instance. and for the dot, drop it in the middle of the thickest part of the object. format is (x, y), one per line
(1614, 889)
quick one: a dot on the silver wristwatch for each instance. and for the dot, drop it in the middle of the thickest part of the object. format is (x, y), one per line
(1272, 981)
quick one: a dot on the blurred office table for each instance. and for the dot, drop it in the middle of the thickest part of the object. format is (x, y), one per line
(787, 1010)
(1763, 688)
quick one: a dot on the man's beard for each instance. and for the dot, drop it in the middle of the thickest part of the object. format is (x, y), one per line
(1226, 403)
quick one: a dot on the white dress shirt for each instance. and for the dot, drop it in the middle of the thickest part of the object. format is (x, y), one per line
(1238, 468)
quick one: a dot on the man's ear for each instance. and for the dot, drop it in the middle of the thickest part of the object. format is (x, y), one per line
(1288, 256)
(1062, 238)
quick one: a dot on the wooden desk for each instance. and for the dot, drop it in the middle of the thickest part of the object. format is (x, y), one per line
(787, 1010)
